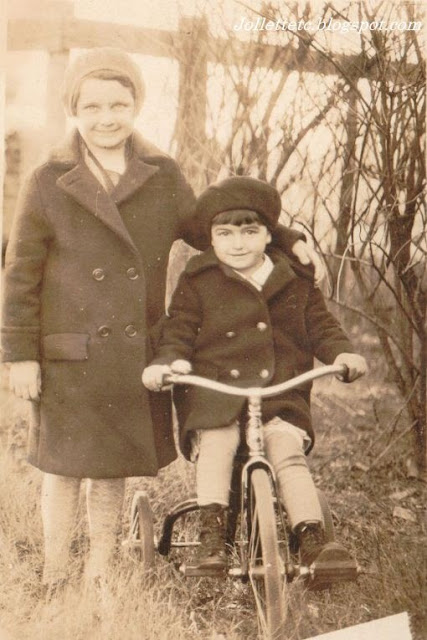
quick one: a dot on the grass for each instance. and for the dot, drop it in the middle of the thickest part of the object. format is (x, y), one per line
(365, 482)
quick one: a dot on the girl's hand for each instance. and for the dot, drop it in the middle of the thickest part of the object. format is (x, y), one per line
(25, 379)
(181, 366)
(307, 255)
(153, 375)
(356, 365)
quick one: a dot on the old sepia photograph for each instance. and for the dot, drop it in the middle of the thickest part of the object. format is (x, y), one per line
(213, 388)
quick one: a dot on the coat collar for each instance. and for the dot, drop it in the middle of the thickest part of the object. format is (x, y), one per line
(79, 182)
(283, 273)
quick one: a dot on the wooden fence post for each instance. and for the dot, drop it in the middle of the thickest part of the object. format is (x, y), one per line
(58, 61)
(190, 132)
(190, 128)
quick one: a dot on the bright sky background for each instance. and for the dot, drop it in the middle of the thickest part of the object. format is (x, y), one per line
(26, 79)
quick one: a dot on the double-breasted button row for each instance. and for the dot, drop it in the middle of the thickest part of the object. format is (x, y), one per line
(235, 373)
(105, 331)
(261, 326)
(99, 274)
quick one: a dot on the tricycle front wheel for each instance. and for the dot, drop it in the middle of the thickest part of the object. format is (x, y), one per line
(265, 565)
(328, 523)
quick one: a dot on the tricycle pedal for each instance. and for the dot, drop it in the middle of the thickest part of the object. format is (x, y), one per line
(195, 571)
(333, 571)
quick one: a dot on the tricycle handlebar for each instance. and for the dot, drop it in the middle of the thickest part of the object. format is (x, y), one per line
(261, 392)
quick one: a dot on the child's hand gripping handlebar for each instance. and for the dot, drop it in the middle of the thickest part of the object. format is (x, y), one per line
(262, 392)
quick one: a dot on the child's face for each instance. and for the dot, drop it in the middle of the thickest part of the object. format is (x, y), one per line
(105, 113)
(240, 247)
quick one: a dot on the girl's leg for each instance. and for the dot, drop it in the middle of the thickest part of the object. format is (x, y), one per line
(104, 507)
(217, 448)
(284, 445)
(285, 450)
(59, 502)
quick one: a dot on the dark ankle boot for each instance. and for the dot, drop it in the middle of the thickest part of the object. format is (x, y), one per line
(314, 546)
(212, 552)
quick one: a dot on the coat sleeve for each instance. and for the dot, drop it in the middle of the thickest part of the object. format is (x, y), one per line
(284, 238)
(326, 336)
(181, 326)
(24, 264)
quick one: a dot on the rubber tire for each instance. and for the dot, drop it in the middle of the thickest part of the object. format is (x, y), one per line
(328, 522)
(144, 529)
(264, 558)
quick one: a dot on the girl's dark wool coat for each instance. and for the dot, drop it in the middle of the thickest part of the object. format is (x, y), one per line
(85, 279)
(234, 333)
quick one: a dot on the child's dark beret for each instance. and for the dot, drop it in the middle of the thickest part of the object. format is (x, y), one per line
(239, 193)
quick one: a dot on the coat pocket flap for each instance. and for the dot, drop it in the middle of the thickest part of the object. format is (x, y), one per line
(65, 346)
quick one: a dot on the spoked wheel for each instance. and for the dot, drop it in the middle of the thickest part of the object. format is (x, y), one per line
(142, 529)
(328, 523)
(265, 567)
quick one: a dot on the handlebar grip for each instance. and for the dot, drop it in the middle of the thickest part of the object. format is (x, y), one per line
(168, 378)
(345, 373)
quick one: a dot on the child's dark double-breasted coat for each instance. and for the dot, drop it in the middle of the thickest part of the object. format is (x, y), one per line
(85, 279)
(233, 333)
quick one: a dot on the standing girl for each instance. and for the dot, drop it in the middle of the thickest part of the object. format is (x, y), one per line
(84, 285)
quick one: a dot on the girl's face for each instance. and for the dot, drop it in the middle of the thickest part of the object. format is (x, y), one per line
(105, 113)
(241, 247)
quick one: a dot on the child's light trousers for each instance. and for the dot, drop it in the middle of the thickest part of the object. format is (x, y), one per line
(284, 445)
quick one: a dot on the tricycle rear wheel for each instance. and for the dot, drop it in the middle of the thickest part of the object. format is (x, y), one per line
(142, 529)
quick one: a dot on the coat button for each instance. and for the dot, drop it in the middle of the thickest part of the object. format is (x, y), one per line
(264, 373)
(230, 334)
(130, 331)
(98, 274)
(104, 331)
(261, 326)
(235, 373)
(132, 273)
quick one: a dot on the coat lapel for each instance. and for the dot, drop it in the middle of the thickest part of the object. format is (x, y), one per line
(279, 278)
(136, 174)
(82, 185)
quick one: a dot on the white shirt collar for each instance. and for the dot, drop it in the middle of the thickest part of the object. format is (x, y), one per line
(259, 277)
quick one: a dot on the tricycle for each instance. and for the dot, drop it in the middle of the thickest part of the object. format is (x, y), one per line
(263, 549)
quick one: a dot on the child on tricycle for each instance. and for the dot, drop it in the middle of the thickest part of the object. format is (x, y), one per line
(243, 314)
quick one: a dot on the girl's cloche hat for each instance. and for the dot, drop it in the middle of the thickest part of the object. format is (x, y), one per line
(101, 59)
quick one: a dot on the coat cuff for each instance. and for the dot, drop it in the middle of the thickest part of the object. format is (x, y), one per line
(332, 352)
(164, 360)
(18, 347)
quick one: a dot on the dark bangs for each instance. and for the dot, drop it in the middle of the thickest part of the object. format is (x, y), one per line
(238, 217)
